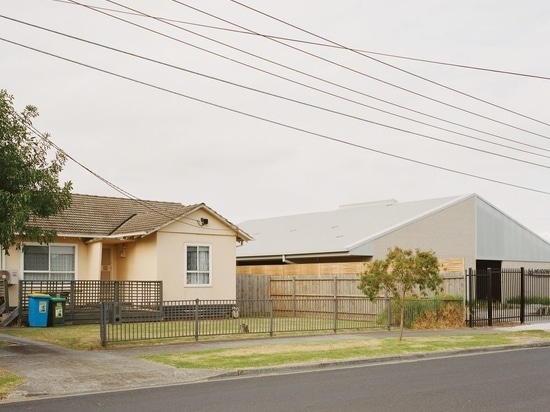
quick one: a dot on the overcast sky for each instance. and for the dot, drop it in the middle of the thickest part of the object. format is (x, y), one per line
(259, 126)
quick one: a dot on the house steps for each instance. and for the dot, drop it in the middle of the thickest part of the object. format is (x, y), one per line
(8, 317)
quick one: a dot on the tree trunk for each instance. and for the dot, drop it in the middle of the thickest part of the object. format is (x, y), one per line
(402, 317)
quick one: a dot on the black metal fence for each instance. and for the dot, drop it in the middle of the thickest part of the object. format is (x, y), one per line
(501, 296)
(195, 318)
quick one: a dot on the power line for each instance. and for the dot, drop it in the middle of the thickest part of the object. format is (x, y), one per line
(274, 122)
(367, 75)
(334, 46)
(392, 66)
(276, 95)
(305, 74)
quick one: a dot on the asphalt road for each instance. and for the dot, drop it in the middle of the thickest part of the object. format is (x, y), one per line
(516, 380)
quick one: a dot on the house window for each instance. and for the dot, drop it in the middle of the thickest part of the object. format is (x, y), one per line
(49, 262)
(198, 265)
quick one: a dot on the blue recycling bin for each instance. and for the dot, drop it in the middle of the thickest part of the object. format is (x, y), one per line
(38, 310)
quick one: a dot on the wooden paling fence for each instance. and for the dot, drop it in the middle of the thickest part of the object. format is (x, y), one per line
(315, 286)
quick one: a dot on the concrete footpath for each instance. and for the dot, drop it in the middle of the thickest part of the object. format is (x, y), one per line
(50, 370)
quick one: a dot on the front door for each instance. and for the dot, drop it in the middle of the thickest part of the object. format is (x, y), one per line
(106, 263)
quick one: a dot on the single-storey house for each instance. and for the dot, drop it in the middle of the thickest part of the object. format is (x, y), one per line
(464, 231)
(191, 249)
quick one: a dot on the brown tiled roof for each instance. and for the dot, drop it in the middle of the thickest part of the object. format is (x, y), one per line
(100, 216)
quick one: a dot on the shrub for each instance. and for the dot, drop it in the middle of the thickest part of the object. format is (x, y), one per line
(443, 311)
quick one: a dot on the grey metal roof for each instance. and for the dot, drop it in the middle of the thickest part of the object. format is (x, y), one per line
(346, 230)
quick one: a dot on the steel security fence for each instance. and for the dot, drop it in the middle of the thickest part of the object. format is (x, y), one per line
(196, 318)
(497, 296)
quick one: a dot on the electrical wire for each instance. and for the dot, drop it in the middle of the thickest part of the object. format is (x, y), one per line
(277, 96)
(118, 189)
(392, 66)
(333, 46)
(274, 122)
(369, 76)
(311, 76)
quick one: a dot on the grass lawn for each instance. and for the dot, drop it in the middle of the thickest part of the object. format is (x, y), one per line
(8, 381)
(288, 354)
(85, 337)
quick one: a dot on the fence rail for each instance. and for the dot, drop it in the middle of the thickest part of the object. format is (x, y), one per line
(195, 318)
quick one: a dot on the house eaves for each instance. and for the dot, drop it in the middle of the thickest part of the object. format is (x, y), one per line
(288, 258)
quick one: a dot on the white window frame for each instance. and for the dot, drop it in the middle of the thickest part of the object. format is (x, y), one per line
(50, 272)
(187, 272)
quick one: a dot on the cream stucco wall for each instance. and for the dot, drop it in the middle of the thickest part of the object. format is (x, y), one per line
(89, 258)
(171, 258)
(140, 261)
(160, 256)
(450, 233)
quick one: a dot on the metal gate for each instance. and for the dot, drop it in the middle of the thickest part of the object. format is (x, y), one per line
(503, 296)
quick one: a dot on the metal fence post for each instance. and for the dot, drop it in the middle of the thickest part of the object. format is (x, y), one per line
(489, 298)
(103, 324)
(271, 317)
(293, 296)
(522, 297)
(388, 306)
(470, 298)
(335, 314)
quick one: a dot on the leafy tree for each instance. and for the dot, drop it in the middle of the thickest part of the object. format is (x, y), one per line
(29, 177)
(400, 274)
